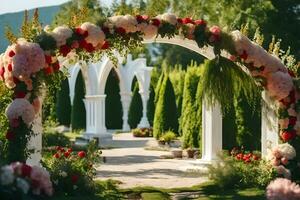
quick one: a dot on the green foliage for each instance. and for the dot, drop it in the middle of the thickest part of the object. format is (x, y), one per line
(168, 137)
(229, 129)
(189, 122)
(135, 112)
(165, 117)
(51, 139)
(63, 104)
(78, 116)
(142, 132)
(71, 172)
(113, 105)
(221, 80)
(151, 105)
(158, 86)
(248, 121)
(233, 173)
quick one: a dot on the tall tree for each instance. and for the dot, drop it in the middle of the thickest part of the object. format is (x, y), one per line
(78, 116)
(151, 105)
(165, 117)
(63, 104)
(136, 107)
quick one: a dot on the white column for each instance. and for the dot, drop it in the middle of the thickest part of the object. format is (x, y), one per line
(269, 125)
(211, 132)
(95, 117)
(126, 99)
(144, 123)
(35, 142)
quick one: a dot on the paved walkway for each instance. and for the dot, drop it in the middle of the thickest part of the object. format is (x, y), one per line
(131, 164)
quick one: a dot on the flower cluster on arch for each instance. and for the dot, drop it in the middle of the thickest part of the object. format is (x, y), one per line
(24, 61)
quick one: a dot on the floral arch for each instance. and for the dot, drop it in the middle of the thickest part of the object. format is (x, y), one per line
(29, 63)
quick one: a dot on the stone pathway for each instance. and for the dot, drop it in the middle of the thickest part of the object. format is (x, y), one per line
(127, 161)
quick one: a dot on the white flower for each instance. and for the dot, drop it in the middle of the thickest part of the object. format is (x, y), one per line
(6, 175)
(286, 150)
(20, 108)
(95, 35)
(61, 34)
(126, 22)
(168, 17)
(23, 185)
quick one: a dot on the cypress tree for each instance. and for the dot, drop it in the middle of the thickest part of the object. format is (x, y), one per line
(78, 116)
(113, 105)
(151, 105)
(158, 85)
(63, 104)
(248, 122)
(165, 117)
(189, 123)
(198, 122)
(136, 108)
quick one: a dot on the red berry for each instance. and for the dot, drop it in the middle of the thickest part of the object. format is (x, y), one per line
(11, 54)
(81, 154)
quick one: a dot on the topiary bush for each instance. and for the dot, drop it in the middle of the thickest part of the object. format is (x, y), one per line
(135, 112)
(113, 105)
(158, 85)
(63, 104)
(151, 105)
(190, 123)
(165, 117)
(78, 116)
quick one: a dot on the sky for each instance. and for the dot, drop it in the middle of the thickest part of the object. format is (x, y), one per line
(8, 6)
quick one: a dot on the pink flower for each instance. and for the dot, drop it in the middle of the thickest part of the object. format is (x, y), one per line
(20, 108)
(279, 85)
(95, 35)
(283, 189)
(215, 30)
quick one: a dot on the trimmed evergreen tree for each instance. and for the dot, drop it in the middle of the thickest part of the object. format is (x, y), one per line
(135, 112)
(113, 105)
(63, 104)
(151, 105)
(189, 124)
(78, 116)
(198, 122)
(248, 122)
(165, 117)
(158, 85)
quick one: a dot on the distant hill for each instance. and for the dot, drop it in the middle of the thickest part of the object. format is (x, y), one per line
(14, 20)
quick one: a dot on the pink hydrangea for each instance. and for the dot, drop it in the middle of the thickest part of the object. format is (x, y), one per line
(279, 85)
(20, 108)
(283, 189)
(190, 31)
(61, 34)
(95, 35)
(42, 177)
(149, 30)
(127, 22)
(28, 59)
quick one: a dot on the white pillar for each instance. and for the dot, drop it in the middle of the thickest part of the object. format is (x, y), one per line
(126, 99)
(35, 142)
(95, 117)
(144, 123)
(269, 125)
(211, 132)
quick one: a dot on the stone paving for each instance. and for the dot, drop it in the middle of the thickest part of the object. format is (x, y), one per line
(127, 161)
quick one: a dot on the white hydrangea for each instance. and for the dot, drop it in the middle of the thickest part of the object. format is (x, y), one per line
(61, 34)
(20, 108)
(6, 175)
(127, 22)
(23, 185)
(95, 35)
(287, 150)
(168, 17)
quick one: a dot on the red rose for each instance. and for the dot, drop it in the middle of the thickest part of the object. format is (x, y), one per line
(248, 160)
(58, 148)
(70, 150)
(48, 70)
(89, 48)
(26, 170)
(179, 20)
(81, 154)
(292, 120)
(64, 50)
(255, 157)
(239, 156)
(56, 66)
(288, 135)
(80, 31)
(200, 22)
(9, 67)
(56, 155)
(48, 59)
(82, 44)
(105, 45)
(155, 22)
(187, 20)
(75, 45)
(67, 154)
(11, 54)
(10, 135)
(20, 95)
(120, 30)
(74, 178)
(139, 18)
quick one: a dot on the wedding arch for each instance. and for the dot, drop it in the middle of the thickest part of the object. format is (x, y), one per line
(30, 63)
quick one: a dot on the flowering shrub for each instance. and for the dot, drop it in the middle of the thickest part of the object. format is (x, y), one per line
(283, 189)
(142, 132)
(73, 172)
(19, 180)
(241, 169)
